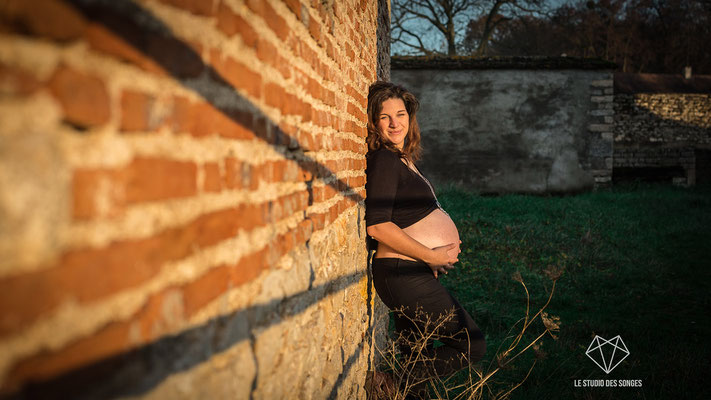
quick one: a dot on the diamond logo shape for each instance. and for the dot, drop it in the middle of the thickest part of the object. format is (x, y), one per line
(607, 354)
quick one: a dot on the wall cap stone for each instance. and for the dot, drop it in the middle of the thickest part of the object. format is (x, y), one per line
(508, 62)
(631, 83)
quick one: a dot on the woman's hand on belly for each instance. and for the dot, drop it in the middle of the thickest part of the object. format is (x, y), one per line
(443, 259)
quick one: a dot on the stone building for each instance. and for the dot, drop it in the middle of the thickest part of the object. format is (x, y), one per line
(181, 197)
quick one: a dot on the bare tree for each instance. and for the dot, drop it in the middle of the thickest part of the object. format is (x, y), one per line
(494, 14)
(638, 35)
(412, 20)
(413, 23)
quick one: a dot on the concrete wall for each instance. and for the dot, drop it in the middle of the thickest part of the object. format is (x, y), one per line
(181, 198)
(514, 130)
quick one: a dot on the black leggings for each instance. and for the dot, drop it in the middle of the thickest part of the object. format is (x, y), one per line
(407, 286)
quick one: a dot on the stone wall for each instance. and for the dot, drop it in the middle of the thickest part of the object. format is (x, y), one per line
(182, 198)
(530, 125)
(663, 118)
(662, 125)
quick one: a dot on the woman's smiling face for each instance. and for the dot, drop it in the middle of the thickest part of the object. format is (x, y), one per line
(394, 121)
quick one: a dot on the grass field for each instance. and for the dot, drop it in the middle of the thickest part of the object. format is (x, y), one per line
(636, 262)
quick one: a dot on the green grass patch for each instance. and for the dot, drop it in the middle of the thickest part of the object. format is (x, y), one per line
(636, 263)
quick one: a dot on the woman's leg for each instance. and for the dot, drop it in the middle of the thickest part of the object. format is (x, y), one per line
(411, 289)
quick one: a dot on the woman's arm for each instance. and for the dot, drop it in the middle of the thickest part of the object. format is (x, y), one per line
(390, 234)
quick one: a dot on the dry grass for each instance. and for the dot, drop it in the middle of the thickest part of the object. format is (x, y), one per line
(405, 369)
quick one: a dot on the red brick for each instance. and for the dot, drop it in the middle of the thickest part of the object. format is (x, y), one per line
(234, 173)
(357, 112)
(315, 29)
(329, 97)
(155, 52)
(97, 192)
(306, 140)
(319, 221)
(180, 119)
(307, 54)
(206, 288)
(85, 275)
(17, 81)
(362, 131)
(261, 126)
(89, 274)
(332, 213)
(237, 74)
(294, 44)
(295, 7)
(349, 52)
(231, 24)
(314, 88)
(275, 96)
(199, 7)
(111, 340)
(303, 231)
(151, 179)
(83, 97)
(115, 338)
(329, 49)
(306, 112)
(212, 177)
(336, 10)
(357, 181)
(355, 94)
(205, 120)
(249, 267)
(105, 41)
(54, 19)
(330, 22)
(211, 228)
(145, 179)
(285, 242)
(293, 105)
(136, 110)
(270, 16)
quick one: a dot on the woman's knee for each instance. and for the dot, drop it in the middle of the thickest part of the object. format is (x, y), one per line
(471, 344)
(477, 349)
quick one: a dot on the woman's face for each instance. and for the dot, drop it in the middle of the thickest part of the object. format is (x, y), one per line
(394, 121)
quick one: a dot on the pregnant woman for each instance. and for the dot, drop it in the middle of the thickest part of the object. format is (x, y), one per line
(416, 239)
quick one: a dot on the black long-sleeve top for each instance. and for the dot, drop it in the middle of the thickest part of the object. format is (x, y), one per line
(395, 192)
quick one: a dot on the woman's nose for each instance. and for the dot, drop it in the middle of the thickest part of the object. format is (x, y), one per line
(392, 123)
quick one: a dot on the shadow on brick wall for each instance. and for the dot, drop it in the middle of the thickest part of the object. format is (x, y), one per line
(139, 370)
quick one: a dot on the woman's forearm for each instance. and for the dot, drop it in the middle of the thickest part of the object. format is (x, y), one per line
(394, 237)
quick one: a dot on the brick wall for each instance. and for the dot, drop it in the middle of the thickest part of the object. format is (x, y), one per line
(182, 197)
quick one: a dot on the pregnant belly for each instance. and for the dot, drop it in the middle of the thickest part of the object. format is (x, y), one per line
(435, 230)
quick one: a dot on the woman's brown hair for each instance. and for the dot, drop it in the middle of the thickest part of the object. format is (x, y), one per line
(378, 93)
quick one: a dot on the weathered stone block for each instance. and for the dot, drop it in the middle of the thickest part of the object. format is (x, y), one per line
(603, 83)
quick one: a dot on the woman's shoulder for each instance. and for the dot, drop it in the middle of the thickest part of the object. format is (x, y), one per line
(382, 155)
